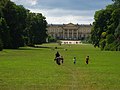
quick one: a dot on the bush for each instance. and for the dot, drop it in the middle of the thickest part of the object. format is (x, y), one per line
(51, 39)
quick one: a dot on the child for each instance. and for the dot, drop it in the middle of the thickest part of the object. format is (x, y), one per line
(74, 60)
(87, 59)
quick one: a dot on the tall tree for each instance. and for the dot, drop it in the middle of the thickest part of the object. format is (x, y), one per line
(1, 45)
(116, 2)
(18, 26)
(117, 35)
(15, 17)
(105, 28)
(5, 34)
(102, 19)
(36, 28)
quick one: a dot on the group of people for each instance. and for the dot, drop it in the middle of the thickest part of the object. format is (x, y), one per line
(59, 59)
(87, 59)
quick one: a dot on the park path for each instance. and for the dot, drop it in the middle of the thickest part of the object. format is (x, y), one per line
(78, 79)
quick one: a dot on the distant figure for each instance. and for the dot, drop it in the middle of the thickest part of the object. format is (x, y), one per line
(87, 59)
(74, 60)
(57, 58)
(65, 49)
(55, 47)
(57, 55)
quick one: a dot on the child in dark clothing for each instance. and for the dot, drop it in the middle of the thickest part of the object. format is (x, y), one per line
(87, 59)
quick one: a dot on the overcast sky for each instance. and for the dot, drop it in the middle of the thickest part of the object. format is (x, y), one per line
(65, 11)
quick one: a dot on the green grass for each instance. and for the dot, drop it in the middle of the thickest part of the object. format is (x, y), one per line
(35, 69)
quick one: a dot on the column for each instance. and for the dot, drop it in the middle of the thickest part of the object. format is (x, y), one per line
(68, 33)
(77, 34)
(72, 33)
(63, 36)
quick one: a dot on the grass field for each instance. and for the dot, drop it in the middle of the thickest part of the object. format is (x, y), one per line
(35, 69)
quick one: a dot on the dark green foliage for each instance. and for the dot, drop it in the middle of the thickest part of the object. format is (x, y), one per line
(113, 46)
(5, 34)
(117, 33)
(36, 29)
(15, 17)
(1, 45)
(51, 39)
(106, 30)
(116, 2)
(102, 43)
(19, 27)
(110, 38)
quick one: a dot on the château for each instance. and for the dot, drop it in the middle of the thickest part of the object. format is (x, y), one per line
(69, 31)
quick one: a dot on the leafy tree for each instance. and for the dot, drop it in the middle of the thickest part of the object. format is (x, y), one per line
(116, 2)
(5, 34)
(18, 26)
(15, 17)
(117, 31)
(117, 34)
(110, 39)
(102, 43)
(105, 30)
(102, 19)
(36, 28)
(1, 45)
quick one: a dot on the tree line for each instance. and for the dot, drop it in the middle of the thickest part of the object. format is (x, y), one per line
(105, 32)
(20, 27)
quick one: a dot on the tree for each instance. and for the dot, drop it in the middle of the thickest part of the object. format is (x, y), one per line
(36, 28)
(116, 2)
(117, 34)
(15, 17)
(117, 31)
(5, 33)
(1, 45)
(102, 19)
(105, 30)
(19, 27)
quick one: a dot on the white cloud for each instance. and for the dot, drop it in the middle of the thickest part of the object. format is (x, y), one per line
(69, 19)
(26, 2)
(59, 16)
(65, 11)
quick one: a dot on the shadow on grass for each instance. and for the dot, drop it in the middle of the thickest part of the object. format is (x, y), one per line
(48, 47)
(39, 47)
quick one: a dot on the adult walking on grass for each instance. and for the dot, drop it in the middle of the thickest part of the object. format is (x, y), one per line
(57, 55)
(57, 58)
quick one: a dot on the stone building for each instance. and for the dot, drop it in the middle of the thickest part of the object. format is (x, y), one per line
(69, 31)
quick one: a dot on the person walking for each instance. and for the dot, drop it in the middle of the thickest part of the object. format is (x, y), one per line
(57, 55)
(57, 58)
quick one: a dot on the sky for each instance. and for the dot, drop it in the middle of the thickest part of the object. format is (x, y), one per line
(65, 11)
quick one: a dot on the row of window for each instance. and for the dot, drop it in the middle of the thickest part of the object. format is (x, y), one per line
(69, 36)
(82, 30)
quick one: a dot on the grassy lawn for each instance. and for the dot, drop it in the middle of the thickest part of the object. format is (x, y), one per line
(35, 69)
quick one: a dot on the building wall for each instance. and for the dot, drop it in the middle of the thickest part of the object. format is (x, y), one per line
(71, 42)
(69, 31)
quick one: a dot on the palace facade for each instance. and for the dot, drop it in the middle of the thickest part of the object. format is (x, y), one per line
(69, 31)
